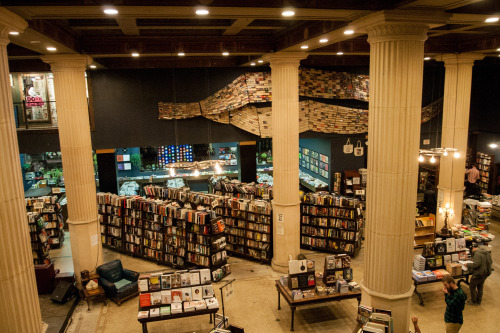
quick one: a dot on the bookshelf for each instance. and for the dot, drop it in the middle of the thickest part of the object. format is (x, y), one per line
(424, 230)
(485, 165)
(248, 228)
(45, 224)
(330, 223)
(181, 232)
(352, 182)
(110, 215)
(241, 190)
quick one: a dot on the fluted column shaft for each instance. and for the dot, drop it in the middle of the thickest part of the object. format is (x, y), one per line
(456, 106)
(76, 150)
(396, 75)
(19, 306)
(285, 113)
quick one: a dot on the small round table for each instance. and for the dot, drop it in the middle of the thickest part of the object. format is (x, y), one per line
(94, 294)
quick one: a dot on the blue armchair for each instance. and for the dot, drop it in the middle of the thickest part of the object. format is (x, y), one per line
(119, 284)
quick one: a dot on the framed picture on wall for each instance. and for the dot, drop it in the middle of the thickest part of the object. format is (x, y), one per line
(321, 165)
(316, 163)
(305, 151)
(326, 167)
(303, 163)
(306, 158)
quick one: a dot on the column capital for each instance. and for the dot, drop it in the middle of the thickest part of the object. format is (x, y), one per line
(285, 58)
(459, 58)
(65, 62)
(399, 24)
(10, 22)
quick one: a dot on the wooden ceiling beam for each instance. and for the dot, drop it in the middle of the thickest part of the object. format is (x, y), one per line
(237, 26)
(128, 26)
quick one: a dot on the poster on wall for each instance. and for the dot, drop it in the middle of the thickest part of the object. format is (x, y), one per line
(305, 151)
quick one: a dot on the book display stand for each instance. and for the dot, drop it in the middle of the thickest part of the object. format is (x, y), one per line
(168, 295)
(331, 223)
(314, 289)
(110, 216)
(424, 230)
(485, 165)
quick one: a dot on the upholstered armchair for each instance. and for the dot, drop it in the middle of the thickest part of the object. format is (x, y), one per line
(119, 284)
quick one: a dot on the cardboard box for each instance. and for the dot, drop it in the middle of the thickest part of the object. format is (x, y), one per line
(454, 269)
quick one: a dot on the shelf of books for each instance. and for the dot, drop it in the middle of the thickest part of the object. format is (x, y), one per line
(110, 217)
(234, 188)
(485, 163)
(248, 228)
(424, 230)
(49, 211)
(174, 232)
(39, 240)
(167, 295)
(331, 223)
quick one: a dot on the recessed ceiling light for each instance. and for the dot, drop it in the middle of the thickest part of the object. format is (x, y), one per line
(491, 20)
(14, 33)
(34, 41)
(323, 40)
(427, 58)
(110, 11)
(181, 54)
(288, 13)
(348, 32)
(340, 53)
(493, 145)
(498, 50)
(260, 61)
(225, 53)
(135, 54)
(93, 66)
(51, 48)
(252, 64)
(304, 47)
(202, 12)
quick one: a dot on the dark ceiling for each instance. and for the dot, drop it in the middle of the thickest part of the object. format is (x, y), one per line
(246, 29)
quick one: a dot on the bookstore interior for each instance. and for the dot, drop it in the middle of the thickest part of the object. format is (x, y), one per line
(185, 168)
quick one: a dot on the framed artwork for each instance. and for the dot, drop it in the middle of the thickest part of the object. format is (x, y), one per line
(305, 151)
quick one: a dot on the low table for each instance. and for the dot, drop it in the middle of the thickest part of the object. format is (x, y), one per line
(98, 293)
(461, 278)
(287, 295)
(145, 321)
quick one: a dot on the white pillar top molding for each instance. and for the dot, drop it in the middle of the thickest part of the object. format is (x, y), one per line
(64, 62)
(285, 58)
(459, 58)
(10, 22)
(396, 25)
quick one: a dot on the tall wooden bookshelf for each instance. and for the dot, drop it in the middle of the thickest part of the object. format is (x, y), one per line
(331, 223)
(485, 165)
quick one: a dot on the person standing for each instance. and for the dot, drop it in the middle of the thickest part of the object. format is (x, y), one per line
(472, 177)
(455, 299)
(481, 269)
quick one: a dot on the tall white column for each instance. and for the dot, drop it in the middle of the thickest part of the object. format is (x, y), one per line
(396, 74)
(19, 306)
(285, 132)
(78, 166)
(456, 106)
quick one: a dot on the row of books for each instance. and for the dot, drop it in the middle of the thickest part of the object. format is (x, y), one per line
(326, 199)
(329, 222)
(328, 244)
(331, 212)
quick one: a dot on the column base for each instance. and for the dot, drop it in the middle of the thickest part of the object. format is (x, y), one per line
(398, 304)
(45, 327)
(279, 267)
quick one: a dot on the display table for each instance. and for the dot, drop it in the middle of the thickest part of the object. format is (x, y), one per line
(287, 294)
(145, 321)
(461, 278)
(94, 294)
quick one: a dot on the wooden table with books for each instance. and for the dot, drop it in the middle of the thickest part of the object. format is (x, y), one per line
(287, 295)
(460, 278)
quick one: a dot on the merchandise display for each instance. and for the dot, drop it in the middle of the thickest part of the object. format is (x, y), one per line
(237, 189)
(167, 295)
(311, 183)
(331, 223)
(129, 188)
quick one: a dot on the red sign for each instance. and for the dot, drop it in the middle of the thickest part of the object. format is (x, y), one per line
(34, 101)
